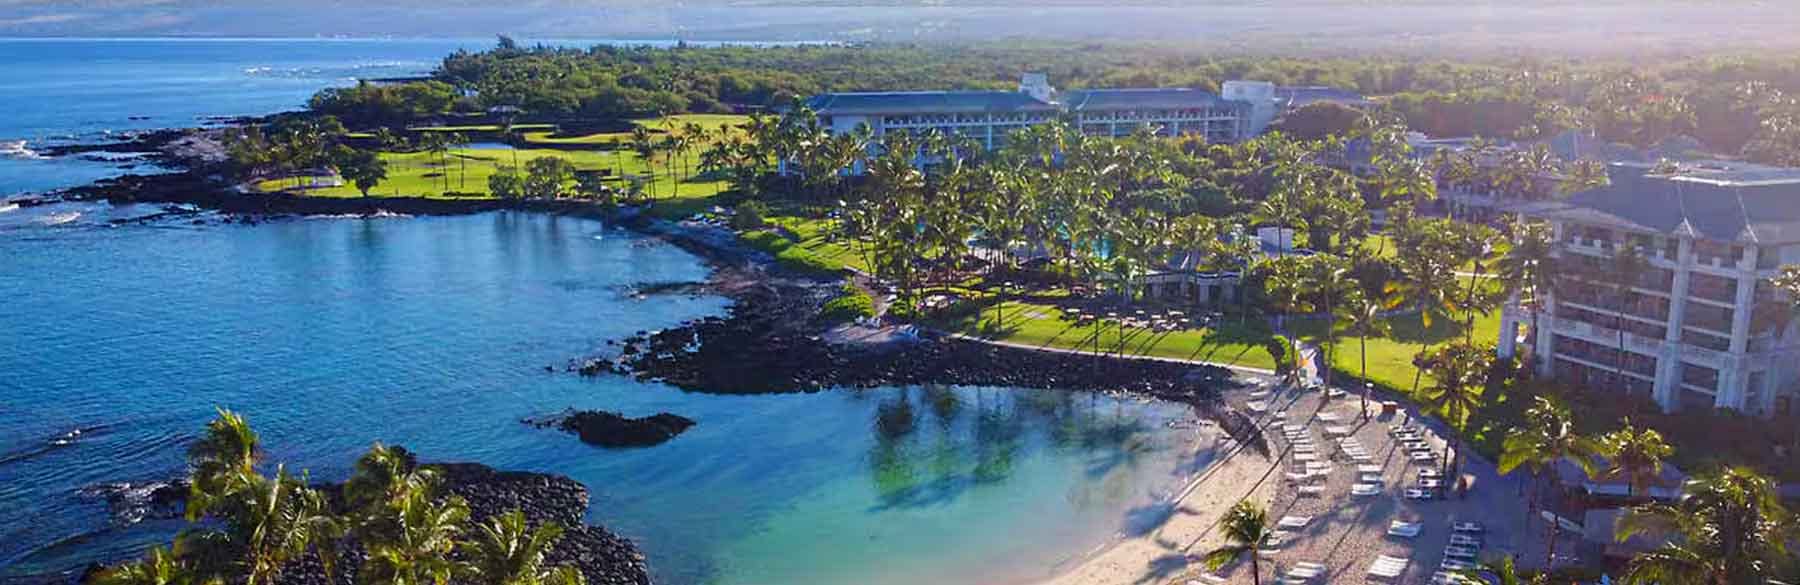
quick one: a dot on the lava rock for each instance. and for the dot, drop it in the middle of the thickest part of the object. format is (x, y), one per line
(611, 429)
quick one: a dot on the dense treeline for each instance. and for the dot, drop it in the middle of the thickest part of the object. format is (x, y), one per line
(1731, 105)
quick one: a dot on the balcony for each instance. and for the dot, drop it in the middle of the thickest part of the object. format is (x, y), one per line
(1712, 288)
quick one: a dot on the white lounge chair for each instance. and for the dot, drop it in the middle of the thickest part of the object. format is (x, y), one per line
(1368, 469)
(1453, 565)
(1369, 478)
(1337, 431)
(1431, 484)
(1471, 527)
(1258, 407)
(1405, 529)
(1311, 490)
(1422, 457)
(1464, 540)
(1365, 489)
(1418, 494)
(1273, 542)
(1461, 552)
(1329, 417)
(1293, 522)
(1388, 567)
(1431, 474)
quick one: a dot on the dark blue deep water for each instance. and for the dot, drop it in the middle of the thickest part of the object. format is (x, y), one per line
(62, 90)
(433, 333)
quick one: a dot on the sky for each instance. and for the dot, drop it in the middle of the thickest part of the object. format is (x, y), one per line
(1493, 25)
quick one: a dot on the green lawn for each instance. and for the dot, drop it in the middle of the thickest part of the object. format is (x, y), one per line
(423, 174)
(710, 122)
(1043, 325)
(1390, 358)
(481, 128)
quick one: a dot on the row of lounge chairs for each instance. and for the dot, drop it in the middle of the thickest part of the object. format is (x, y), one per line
(1463, 553)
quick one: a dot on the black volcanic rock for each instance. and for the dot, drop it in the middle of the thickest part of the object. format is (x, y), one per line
(611, 429)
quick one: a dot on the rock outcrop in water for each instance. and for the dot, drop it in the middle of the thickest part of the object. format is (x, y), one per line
(611, 429)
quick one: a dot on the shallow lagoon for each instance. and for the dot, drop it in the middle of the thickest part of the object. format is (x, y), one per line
(434, 333)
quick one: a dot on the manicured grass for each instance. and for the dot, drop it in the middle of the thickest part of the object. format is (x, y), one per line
(1390, 358)
(422, 174)
(1043, 325)
(1382, 246)
(481, 128)
(815, 240)
(711, 122)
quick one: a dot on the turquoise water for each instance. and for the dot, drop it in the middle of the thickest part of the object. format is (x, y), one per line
(434, 333)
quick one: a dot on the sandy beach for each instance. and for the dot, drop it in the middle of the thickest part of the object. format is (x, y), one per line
(1340, 533)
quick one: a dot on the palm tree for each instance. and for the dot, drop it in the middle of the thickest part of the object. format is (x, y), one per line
(1547, 437)
(1529, 266)
(222, 462)
(1620, 276)
(1459, 372)
(1504, 572)
(1327, 280)
(644, 145)
(160, 568)
(1364, 317)
(1246, 526)
(1427, 283)
(417, 551)
(1583, 175)
(507, 552)
(1730, 529)
(1635, 453)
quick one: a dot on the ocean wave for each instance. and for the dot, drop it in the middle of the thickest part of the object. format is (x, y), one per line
(18, 149)
(347, 71)
(58, 218)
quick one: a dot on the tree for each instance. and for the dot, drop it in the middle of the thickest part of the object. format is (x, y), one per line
(1459, 372)
(364, 169)
(1504, 572)
(1426, 283)
(262, 523)
(1547, 437)
(222, 462)
(1730, 529)
(1635, 453)
(415, 549)
(645, 146)
(161, 567)
(506, 183)
(507, 552)
(546, 176)
(1246, 526)
(1619, 276)
(1364, 317)
(1320, 120)
(1529, 265)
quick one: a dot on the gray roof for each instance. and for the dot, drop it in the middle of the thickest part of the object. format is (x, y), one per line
(1759, 205)
(1089, 100)
(933, 102)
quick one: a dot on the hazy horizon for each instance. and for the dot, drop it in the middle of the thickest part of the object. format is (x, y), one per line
(1528, 26)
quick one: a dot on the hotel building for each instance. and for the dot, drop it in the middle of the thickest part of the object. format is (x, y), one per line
(1701, 325)
(987, 117)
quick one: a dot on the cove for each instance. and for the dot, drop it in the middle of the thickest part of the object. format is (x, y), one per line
(434, 333)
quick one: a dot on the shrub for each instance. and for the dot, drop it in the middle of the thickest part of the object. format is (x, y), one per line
(749, 215)
(849, 306)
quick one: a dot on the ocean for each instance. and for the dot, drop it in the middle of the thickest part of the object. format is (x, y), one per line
(434, 333)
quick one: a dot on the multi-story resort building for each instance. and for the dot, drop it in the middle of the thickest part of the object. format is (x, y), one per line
(987, 117)
(1699, 324)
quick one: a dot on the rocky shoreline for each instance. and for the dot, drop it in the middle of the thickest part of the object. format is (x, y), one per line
(602, 557)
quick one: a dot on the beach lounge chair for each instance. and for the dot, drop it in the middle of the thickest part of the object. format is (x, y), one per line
(1461, 552)
(1387, 567)
(1361, 458)
(1365, 489)
(1259, 395)
(1431, 484)
(1400, 429)
(1449, 578)
(1416, 446)
(1454, 565)
(1305, 457)
(1336, 393)
(1293, 522)
(1208, 579)
(1335, 431)
(1328, 417)
(1368, 469)
(1319, 468)
(1422, 457)
(1369, 478)
(1311, 490)
(1258, 407)
(1431, 474)
(1405, 529)
(1464, 540)
(1272, 543)
(1470, 527)
(1418, 494)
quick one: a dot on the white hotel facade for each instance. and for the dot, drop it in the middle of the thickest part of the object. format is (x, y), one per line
(987, 117)
(1702, 326)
